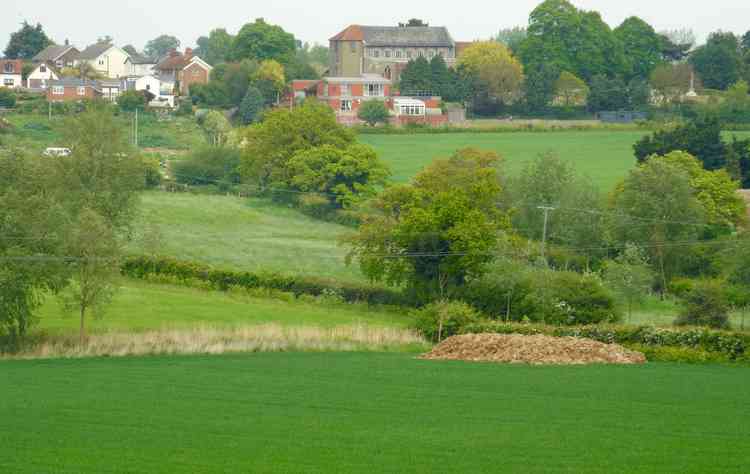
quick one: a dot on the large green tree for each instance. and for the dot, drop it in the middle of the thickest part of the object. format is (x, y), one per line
(216, 47)
(719, 61)
(701, 138)
(416, 77)
(438, 232)
(161, 46)
(27, 42)
(642, 47)
(572, 40)
(261, 41)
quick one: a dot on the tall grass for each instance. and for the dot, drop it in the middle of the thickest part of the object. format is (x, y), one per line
(240, 339)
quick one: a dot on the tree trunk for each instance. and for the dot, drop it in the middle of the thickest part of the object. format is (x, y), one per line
(81, 333)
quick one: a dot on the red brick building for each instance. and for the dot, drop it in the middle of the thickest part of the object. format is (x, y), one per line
(185, 69)
(70, 90)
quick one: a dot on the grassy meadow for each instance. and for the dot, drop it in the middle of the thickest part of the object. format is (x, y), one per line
(604, 156)
(246, 234)
(324, 412)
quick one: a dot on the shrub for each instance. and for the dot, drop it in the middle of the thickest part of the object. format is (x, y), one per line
(209, 165)
(152, 172)
(706, 305)
(373, 112)
(444, 319)
(7, 98)
(131, 101)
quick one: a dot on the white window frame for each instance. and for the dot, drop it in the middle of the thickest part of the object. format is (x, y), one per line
(59, 63)
(8, 68)
(58, 90)
(413, 110)
(374, 90)
(387, 53)
(9, 82)
(345, 90)
(81, 91)
(375, 53)
(346, 105)
(398, 54)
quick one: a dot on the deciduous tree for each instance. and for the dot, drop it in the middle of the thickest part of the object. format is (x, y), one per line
(572, 90)
(718, 62)
(161, 46)
(373, 112)
(27, 42)
(260, 41)
(493, 64)
(642, 47)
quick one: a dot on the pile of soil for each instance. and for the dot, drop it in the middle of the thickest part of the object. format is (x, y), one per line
(534, 350)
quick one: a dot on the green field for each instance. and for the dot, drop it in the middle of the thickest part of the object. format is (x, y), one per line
(246, 234)
(140, 306)
(369, 413)
(604, 156)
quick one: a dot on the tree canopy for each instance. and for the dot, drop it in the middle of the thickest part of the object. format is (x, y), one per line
(493, 64)
(27, 42)
(642, 47)
(262, 41)
(161, 46)
(718, 62)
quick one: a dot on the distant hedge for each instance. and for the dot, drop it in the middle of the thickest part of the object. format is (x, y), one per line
(142, 267)
(732, 345)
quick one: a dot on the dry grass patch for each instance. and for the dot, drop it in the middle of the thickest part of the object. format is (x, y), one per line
(534, 350)
(211, 340)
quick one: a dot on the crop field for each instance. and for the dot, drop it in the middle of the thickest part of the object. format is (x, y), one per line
(604, 156)
(325, 412)
(139, 306)
(245, 234)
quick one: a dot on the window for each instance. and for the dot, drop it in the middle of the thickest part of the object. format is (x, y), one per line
(59, 63)
(374, 90)
(375, 53)
(9, 82)
(325, 90)
(101, 62)
(58, 90)
(387, 53)
(420, 53)
(398, 53)
(81, 91)
(413, 110)
(409, 55)
(42, 68)
(346, 105)
(9, 67)
(346, 90)
(353, 46)
(196, 72)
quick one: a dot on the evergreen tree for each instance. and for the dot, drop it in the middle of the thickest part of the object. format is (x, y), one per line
(440, 77)
(27, 42)
(417, 77)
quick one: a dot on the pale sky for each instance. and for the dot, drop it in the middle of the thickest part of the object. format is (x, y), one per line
(137, 21)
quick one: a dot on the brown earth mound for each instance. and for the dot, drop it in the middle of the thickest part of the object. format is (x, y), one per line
(535, 350)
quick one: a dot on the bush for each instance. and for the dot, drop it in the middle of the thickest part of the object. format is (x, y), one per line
(373, 112)
(209, 165)
(152, 172)
(444, 319)
(145, 268)
(706, 305)
(7, 98)
(130, 101)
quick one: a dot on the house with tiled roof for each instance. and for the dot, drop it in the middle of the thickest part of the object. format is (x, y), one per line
(106, 59)
(386, 50)
(41, 76)
(11, 73)
(184, 69)
(140, 65)
(73, 90)
(59, 56)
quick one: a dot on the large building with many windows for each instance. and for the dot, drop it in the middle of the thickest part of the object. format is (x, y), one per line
(386, 50)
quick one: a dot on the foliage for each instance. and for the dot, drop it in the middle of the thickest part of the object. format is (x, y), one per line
(272, 72)
(416, 77)
(540, 86)
(261, 41)
(676, 44)
(27, 42)
(439, 231)
(151, 172)
(216, 127)
(343, 175)
(656, 206)
(92, 248)
(145, 267)
(216, 48)
(269, 145)
(161, 46)
(129, 101)
(252, 106)
(571, 89)
(373, 112)
(443, 319)
(493, 64)
(511, 37)
(642, 46)
(209, 165)
(718, 61)
(573, 40)
(701, 138)
(630, 276)
(705, 305)
(672, 81)
(7, 97)
(608, 94)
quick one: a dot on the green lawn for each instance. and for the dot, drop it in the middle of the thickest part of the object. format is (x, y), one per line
(139, 307)
(605, 156)
(246, 234)
(369, 413)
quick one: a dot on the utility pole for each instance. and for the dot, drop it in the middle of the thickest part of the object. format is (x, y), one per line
(135, 128)
(50, 110)
(546, 210)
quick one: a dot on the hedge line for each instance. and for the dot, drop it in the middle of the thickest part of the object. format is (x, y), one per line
(733, 345)
(143, 267)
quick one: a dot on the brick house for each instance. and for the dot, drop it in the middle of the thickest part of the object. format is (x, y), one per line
(11, 73)
(70, 90)
(185, 69)
(59, 56)
(386, 50)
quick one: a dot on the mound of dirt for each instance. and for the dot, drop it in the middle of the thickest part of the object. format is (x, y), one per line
(534, 350)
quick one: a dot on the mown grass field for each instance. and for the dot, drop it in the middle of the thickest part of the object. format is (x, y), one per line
(320, 412)
(140, 306)
(604, 156)
(246, 234)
